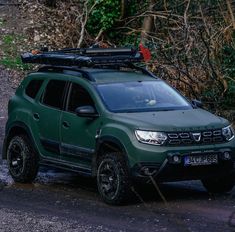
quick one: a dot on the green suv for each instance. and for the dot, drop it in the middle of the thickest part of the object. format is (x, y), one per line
(116, 122)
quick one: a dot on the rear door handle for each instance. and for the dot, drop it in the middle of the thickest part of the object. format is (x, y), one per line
(65, 124)
(36, 116)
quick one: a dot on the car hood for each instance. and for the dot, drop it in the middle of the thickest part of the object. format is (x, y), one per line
(176, 120)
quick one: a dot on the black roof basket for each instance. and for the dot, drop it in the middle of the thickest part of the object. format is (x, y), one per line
(84, 57)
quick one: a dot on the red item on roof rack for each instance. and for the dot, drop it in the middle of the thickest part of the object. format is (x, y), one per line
(145, 52)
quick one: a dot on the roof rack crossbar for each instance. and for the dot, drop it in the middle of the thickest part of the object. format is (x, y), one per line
(64, 69)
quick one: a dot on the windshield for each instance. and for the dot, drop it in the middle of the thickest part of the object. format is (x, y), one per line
(141, 96)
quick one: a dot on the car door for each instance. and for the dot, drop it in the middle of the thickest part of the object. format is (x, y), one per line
(78, 134)
(47, 116)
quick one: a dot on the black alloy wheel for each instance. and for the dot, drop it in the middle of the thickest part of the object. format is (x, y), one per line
(22, 159)
(113, 179)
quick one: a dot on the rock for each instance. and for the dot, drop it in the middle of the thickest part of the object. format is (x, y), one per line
(36, 38)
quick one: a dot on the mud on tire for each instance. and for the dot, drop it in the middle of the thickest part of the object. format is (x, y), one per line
(113, 179)
(22, 159)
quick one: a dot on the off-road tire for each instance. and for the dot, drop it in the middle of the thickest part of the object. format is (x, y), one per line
(121, 179)
(20, 152)
(222, 184)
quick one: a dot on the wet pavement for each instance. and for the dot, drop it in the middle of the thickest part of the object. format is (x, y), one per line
(62, 201)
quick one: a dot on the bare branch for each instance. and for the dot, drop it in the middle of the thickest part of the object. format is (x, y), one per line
(83, 20)
(231, 12)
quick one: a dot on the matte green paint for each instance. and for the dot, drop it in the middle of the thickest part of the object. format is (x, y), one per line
(85, 132)
(81, 132)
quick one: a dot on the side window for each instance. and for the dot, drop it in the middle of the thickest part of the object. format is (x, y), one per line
(33, 88)
(79, 97)
(53, 95)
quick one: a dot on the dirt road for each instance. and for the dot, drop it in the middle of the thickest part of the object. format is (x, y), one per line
(61, 201)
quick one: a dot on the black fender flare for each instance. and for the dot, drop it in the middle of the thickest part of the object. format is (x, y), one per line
(8, 130)
(99, 142)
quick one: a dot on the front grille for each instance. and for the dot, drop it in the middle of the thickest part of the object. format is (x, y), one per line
(192, 138)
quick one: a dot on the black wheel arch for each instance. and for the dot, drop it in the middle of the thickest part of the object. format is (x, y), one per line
(108, 144)
(16, 128)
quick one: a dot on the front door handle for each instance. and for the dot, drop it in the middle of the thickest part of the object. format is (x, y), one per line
(36, 116)
(65, 124)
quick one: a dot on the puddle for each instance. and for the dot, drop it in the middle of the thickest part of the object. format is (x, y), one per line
(48, 178)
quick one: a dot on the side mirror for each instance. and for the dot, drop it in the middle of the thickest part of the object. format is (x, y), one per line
(197, 104)
(86, 112)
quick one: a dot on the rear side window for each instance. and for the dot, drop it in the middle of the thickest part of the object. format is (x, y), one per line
(53, 95)
(33, 88)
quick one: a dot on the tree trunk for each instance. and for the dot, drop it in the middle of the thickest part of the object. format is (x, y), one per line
(124, 5)
(148, 22)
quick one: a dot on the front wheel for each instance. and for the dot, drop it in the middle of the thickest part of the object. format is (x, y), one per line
(22, 159)
(113, 179)
(222, 184)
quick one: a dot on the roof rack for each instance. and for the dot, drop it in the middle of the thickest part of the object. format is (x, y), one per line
(85, 57)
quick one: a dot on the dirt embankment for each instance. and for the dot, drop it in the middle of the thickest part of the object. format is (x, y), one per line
(7, 89)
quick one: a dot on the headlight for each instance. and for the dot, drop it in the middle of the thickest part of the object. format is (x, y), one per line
(151, 137)
(228, 133)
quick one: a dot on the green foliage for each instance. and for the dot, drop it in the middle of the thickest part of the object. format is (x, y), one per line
(134, 7)
(1, 22)
(12, 63)
(104, 15)
(10, 52)
(8, 39)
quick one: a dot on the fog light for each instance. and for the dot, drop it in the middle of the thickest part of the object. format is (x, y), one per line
(226, 155)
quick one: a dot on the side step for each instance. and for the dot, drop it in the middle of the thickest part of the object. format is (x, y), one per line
(82, 170)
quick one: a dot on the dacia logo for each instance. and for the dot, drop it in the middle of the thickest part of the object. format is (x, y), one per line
(197, 136)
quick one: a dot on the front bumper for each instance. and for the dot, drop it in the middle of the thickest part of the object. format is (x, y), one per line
(169, 170)
(178, 172)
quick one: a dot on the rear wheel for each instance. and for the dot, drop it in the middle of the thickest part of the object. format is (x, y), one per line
(222, 184)
(22, 159)
(113, 179)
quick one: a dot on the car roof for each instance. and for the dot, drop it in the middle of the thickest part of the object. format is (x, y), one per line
(113, 75)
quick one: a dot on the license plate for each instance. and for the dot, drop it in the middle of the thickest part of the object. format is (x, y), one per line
(197, 160)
